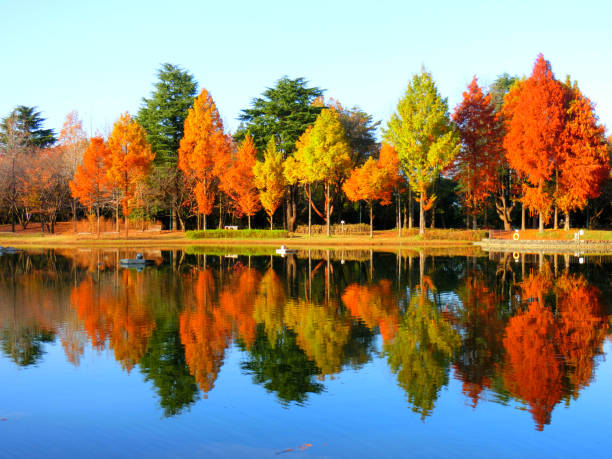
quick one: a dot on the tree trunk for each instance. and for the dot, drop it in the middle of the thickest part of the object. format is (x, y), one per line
(433, 216)
(410, 219)
(125, 219)
(421, 217)
(98, 221)
(204, 218)
(474, 222)
(399, 215)
(371, 220)
(249, 220)
(327, 207)
(117, 217)
(271, 222)
(567, 220)
(74, 206)
(541, 224)
(174, 218)
(522, 216)
(556, 223)
(309, 209)
(291, 209)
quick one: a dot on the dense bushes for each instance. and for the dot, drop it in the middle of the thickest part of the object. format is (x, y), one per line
(236, 234)
(447, 234)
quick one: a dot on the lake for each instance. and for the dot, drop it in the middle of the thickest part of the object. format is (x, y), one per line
(213, 352)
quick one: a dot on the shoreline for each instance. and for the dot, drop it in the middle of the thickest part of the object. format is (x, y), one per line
(178, 241)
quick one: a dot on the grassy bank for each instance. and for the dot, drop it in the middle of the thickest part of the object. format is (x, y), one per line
(179, 239)
(238, 238)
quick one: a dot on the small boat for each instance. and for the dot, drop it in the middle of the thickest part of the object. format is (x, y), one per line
(9, 250)
(285, 251)
(138, 261)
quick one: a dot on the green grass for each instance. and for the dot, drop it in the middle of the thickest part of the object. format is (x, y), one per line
(232, 249)
(237, 234)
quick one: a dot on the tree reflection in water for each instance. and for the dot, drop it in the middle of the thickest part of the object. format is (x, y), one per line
(506, 331)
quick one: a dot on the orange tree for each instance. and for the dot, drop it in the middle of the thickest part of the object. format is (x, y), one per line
(239, 180)
(131, 158)
(204, 151)
(583, 159)
(90, 182)
(375, 180)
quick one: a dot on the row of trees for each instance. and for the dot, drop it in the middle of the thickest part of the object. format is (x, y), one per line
(531, 141)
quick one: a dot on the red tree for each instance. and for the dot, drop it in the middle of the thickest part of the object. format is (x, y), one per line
(583, 159)
(532, 135)
(476, 165)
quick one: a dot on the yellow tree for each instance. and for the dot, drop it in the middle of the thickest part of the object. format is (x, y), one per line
(131, 159)
(424, 137)
(270, 179)
(375, 180)
(204, 151)
(323, 155)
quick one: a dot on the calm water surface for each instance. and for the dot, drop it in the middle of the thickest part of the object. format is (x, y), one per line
(323, 354)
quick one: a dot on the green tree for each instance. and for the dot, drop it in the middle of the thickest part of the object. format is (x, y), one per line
(165, 366)
(163, 115)
(24, 345)
(360, 129)
(283, 112)
(29, 123)
(423, 136)
(499, 88)
(420, 355)
(282, 367)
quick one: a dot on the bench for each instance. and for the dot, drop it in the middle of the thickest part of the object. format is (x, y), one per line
(231, 227)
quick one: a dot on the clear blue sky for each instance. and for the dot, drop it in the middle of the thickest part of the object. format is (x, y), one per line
(101, 58)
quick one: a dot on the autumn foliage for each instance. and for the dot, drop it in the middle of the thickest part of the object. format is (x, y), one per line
(90, 183)
(375, 180)
(239, 183)
(130, 161)
(476, 165)
(204, 151)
